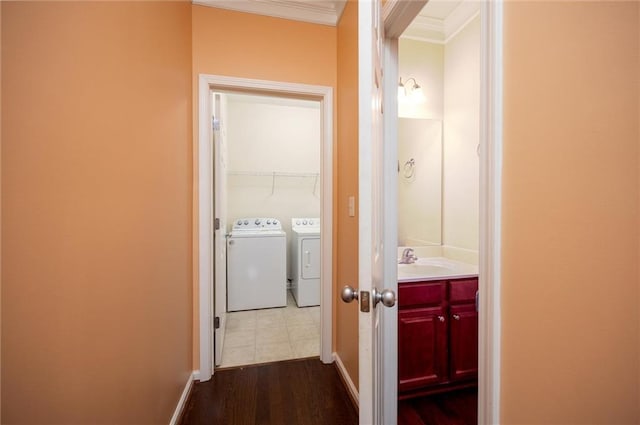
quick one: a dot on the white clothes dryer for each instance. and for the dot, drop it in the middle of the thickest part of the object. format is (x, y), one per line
(256, 264)
(305, 261)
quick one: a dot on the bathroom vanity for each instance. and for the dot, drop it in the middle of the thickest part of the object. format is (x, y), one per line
(437, 330)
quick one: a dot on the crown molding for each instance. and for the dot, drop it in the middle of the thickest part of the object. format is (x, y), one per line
(324, 12)
(425, 28)
(440, 31)
(460, 17)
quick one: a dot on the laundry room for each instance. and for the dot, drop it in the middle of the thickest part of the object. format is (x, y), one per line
(268, 159)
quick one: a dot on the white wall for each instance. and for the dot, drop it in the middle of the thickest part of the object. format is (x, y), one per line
(424, 62)
(267, 135)
(461, 138)
(273, 134)
(450, 77)
(419, 187)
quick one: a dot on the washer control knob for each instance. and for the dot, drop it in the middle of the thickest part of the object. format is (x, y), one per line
(246, 222)
(257, 221)
(304, 222)
(239, 222)
(298, 222)
(275, 221)
(268, 221)
(310, 222)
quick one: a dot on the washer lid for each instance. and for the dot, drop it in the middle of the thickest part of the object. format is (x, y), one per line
(307, 232)
(257, 233)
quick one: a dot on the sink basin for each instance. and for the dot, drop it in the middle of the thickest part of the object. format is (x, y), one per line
(422, 269)
(435, 268)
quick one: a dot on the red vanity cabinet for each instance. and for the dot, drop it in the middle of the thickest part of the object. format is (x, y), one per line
(422, 326)
(463, 330)
(437, 335)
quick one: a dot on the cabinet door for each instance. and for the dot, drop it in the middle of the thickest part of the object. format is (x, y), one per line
(422, 351)
(463, 340)
(310, 258)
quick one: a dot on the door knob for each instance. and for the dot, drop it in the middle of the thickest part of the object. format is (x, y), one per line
(386, 296)
(349, 294)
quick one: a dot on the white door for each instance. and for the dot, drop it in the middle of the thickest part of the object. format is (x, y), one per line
(220, 224)
(377, 254)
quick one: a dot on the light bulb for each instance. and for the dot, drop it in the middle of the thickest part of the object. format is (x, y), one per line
(417, 94)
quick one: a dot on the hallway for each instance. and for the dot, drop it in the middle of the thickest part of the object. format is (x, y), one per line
(290, 392)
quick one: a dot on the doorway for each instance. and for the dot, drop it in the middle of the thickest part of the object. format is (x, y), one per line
(267, 203)
(212, 291)
(489, 215)
(438, 219)
(489, 152)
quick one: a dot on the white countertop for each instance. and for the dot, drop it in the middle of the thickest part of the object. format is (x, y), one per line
(435, 268)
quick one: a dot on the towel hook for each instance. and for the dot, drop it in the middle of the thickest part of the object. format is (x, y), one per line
(409, 168)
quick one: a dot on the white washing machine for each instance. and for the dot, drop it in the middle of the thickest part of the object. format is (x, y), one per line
(256, 264)
(305, 261)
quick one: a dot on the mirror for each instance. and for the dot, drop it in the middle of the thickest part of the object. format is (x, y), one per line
(419, 182)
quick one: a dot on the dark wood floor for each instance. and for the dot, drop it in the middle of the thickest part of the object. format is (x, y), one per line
(453, 408)
(292, 392)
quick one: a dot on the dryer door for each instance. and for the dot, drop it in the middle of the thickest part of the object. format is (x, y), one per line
(310, 257)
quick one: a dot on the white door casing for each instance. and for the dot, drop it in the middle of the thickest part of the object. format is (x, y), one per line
(204, 204)
(491, 122)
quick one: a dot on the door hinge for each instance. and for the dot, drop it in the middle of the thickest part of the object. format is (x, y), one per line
(216, 224)
(216, 322)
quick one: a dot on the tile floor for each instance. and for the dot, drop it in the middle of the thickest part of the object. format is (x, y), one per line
(273, 334)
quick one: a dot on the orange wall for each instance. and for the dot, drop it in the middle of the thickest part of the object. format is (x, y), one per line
(252, 46)
(570, 285)
(347, 265)
(96, 211)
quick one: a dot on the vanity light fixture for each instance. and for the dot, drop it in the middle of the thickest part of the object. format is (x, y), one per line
(410, 91)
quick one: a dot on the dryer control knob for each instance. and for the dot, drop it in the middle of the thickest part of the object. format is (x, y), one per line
(257, 221)
(310, 222)
(298, 222)
(275, 221)
(268, 221)
(304, 222)
(239, 222)
(246, 222)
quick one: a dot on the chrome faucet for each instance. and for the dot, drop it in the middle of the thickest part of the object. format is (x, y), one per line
(408, 257)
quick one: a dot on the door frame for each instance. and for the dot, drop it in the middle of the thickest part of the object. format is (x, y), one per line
(204, 203)
(398, 15)
(490, 264)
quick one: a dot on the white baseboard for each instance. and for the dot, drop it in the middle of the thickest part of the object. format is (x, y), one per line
(196, 375)
(353, 392)
(183, 399)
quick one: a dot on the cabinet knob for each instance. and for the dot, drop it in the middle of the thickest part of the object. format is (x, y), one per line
(456, 317)
(441, 318)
